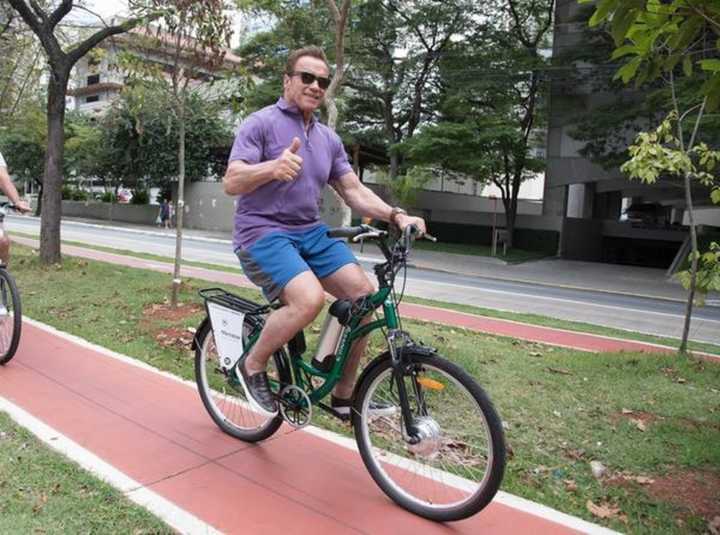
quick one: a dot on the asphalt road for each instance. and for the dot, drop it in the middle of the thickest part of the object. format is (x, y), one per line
(643, 314)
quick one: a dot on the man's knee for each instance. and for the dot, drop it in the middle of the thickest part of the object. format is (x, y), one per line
(305, 296)
(349, 282)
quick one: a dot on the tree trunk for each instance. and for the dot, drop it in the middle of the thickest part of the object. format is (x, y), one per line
(510, 216)
(52, 178)
(332, 112)
(38, 208)
(394, 164)
(693, 266)
(180, 210)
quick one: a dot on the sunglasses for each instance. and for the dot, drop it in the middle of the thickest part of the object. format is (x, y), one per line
(308, 78)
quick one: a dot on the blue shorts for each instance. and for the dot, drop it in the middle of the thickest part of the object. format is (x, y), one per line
(276, 258)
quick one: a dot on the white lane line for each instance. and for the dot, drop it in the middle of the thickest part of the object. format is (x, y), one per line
(510, 500)
(176, 517)
(558, 299)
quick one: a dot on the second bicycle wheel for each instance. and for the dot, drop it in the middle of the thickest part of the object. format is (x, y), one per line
(453, 464)
(10, 317)
(223, 395)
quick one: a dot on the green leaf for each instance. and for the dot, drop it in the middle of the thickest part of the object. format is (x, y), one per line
(688, 66)
(622, 23)
(601, 13)
(624, 51)
(712, 65)
(687, 34)
(715, 196)
(627, 71)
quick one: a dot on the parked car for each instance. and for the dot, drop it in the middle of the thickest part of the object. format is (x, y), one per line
(124, 195)
(645, 213)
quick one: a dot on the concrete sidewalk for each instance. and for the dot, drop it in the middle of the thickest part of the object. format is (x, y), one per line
(613, 278)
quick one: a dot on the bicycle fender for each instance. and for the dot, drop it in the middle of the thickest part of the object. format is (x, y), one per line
(195, 346)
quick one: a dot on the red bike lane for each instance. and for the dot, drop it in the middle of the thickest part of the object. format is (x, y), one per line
(153, 428)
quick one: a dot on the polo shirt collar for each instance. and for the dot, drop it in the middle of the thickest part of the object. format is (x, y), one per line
(285, 106)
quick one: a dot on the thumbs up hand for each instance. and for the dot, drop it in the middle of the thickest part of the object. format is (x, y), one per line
(288, 165)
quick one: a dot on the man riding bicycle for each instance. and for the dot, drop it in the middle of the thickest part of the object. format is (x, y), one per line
(8, 188)
(281, 160)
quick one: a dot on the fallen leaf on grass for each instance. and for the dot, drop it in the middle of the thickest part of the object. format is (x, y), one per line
(681, 380)
(605, 510)
(639, 424)
(561, 371)
(627, 411)
(642, 480)
(535, 354)
(570, 485)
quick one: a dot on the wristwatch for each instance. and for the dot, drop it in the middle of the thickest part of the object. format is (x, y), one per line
(394, 213)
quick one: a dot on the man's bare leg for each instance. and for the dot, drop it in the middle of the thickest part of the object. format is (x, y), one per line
(349, 282)
(304, 298)
(4, 249)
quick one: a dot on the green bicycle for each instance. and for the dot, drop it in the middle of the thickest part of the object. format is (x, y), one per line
(439, 451)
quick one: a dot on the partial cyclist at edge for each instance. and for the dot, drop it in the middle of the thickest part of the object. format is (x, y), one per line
(8, 188)
(281, 160)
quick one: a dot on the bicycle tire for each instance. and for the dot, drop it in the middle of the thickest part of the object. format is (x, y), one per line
(262, 428)
(385, 466)
(9, 295)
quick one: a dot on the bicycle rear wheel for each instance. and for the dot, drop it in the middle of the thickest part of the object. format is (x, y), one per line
(223, 395)
(10, 317)
(454, 465)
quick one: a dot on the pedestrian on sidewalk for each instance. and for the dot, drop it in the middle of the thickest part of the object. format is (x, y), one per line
(281, 160)
(8, 188)
(164, 215)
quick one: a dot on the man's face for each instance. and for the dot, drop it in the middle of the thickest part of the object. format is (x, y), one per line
(307, 97)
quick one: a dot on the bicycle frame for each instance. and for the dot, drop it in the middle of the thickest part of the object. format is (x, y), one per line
(303, 372)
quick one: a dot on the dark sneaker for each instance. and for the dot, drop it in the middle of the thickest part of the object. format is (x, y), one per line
(343, 407)
(257, 391)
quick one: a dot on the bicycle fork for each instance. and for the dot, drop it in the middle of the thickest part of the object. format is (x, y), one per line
(398, 341)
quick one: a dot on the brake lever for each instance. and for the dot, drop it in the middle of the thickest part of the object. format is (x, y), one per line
(365, 235)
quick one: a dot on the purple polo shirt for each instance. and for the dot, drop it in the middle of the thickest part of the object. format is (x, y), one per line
(280, 205)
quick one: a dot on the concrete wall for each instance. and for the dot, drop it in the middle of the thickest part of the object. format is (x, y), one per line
(207, 207)
(128, 213)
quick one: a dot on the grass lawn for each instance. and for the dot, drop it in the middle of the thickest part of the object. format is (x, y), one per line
(515, 316)
(652, 421)
(42, 492)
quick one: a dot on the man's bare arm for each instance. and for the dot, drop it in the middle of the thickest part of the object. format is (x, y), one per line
(242, 178)
(8, 188)
(366, 202)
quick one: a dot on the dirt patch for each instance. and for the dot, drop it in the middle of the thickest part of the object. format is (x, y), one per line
(640, 416)
(695, 490)
(175, 337)
(165, 312)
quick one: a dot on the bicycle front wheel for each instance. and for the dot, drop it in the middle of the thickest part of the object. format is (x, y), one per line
(452, 465)
(10, 317)
(223, 395)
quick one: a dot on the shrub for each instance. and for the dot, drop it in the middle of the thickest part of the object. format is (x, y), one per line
(70, 193)
(140, 196)
(108, 196)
